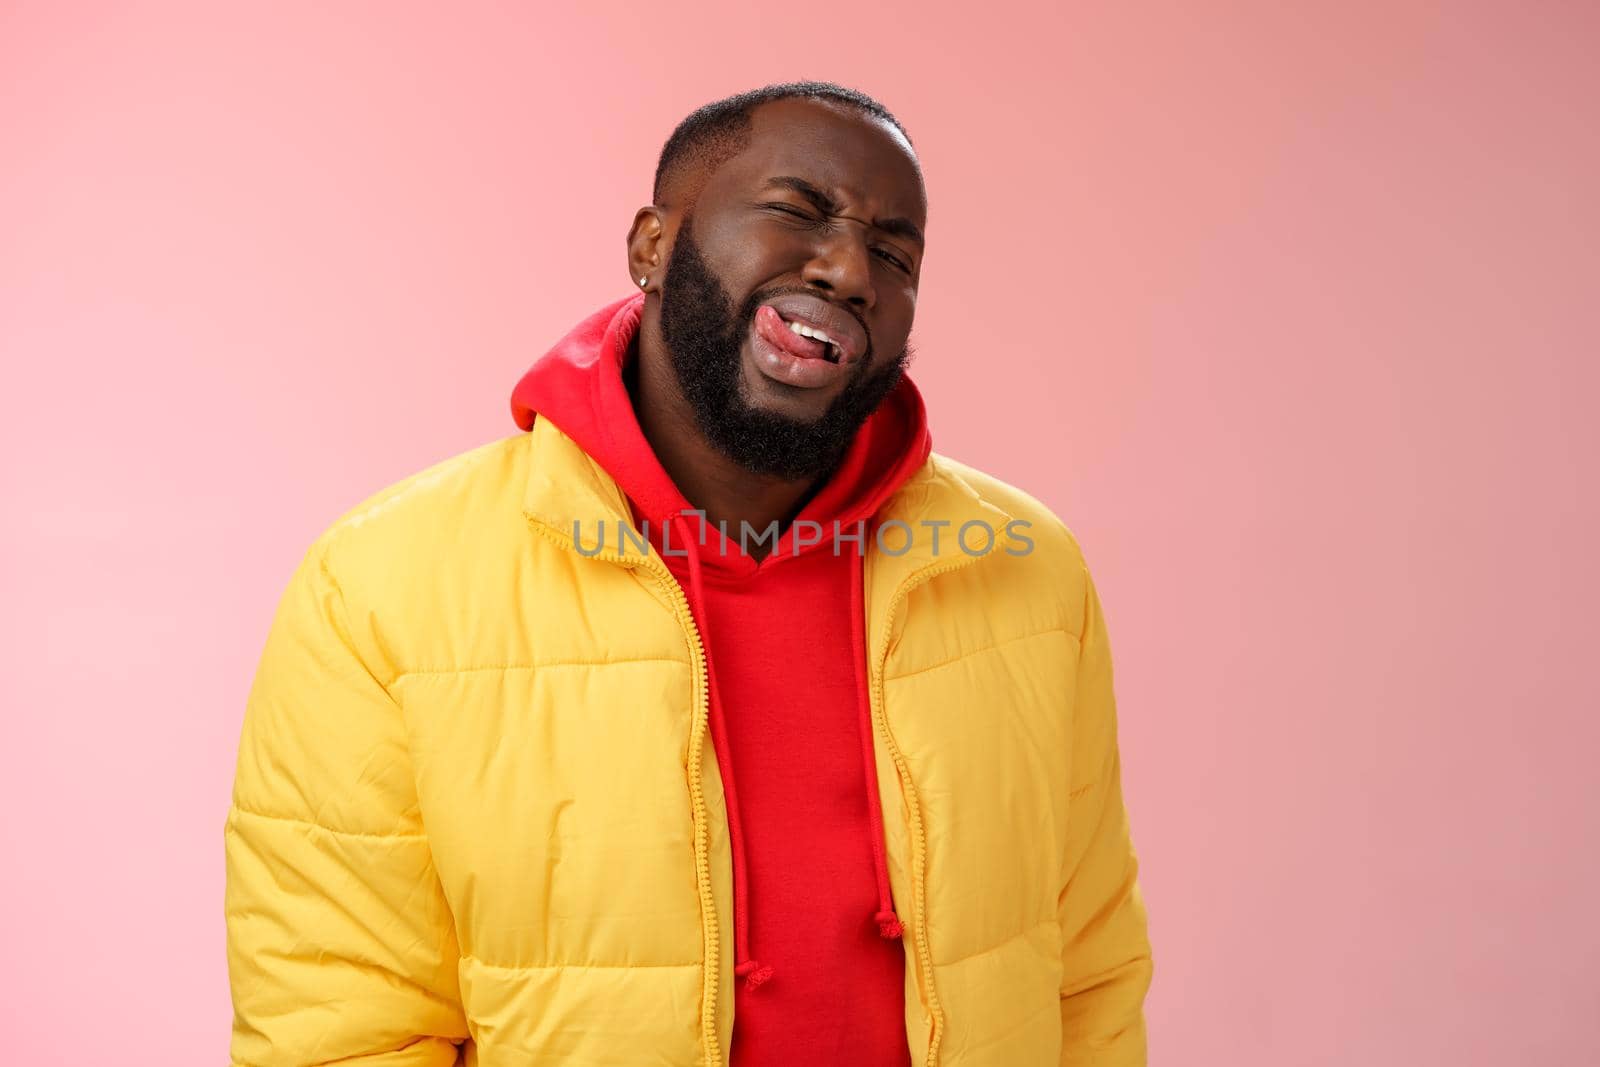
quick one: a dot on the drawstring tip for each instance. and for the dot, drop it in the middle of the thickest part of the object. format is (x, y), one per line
(889, 925)
(753, 973)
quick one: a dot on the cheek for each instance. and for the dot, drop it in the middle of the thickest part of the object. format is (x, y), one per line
(747, 254)
(901, 290)
(892, 327)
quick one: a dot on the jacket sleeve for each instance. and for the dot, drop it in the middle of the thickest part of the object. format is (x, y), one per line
(1106, 959)
(340, 942)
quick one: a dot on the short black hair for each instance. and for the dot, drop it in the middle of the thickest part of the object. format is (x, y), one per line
(714, 133)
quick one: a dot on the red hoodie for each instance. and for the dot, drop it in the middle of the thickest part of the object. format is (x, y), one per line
(786, 650)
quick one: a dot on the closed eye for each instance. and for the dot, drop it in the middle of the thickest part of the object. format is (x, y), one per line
(892, 259)
(797, 213)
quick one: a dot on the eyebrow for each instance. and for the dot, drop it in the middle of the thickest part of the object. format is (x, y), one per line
(900, 227)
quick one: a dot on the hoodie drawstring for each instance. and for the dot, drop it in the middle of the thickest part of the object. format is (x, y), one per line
(753, 972)
(889, 925)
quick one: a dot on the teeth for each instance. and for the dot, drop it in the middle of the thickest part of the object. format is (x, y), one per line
(806, 331)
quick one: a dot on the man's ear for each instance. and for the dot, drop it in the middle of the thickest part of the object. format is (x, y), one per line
(648, 247)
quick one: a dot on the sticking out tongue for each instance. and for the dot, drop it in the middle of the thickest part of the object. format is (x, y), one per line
(776, 332)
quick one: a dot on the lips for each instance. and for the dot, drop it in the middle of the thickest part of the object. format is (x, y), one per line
(817, 314)
(775, 331)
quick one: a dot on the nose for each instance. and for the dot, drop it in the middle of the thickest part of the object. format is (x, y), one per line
(842, 267)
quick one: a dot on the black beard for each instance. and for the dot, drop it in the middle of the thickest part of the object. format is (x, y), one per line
(703, 334)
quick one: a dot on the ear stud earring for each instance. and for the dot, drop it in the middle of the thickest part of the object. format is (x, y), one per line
(642, 282)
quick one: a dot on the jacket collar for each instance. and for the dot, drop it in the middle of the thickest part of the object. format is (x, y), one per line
(566, 488)
(936, 494)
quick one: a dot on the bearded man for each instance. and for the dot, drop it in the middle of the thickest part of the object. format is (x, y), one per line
(711, 718)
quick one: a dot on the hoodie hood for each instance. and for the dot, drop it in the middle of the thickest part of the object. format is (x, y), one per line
(578, 385)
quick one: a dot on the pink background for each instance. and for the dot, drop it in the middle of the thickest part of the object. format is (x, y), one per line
(1290, 311)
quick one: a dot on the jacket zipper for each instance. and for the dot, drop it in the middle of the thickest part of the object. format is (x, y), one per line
(919, 843)
(697, 802)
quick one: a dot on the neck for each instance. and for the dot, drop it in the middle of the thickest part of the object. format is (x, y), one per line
(709, 480)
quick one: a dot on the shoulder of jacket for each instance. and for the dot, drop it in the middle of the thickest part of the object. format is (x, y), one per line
(1055, 565)
(1053, 535)
(438, 500)
(398, 556)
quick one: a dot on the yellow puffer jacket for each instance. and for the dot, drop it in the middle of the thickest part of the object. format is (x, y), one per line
(477, 818)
